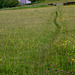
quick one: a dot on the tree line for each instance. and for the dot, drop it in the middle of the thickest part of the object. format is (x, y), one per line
(35, 0)
(12, 3)
(8, 3)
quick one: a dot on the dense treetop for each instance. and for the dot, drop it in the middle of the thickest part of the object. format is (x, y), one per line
(8, 3)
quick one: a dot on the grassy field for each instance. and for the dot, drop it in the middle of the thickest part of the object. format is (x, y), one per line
(37, 41)
(55, 1)
(26, 7)
(40, 4)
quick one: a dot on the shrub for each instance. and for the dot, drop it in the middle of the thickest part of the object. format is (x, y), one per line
(8, 3)
(35, 0)
(1, 3)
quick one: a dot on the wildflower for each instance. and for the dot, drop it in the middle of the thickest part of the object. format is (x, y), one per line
(63, 44)
(52, 69)
(46, 71)
(52, 56)
(62, 40)
(69, 64)
(61, 70)
(21, 42)
(49, 62)
(72, 59)
(23, 49)
(68, 72)
(66, 41)
(68, 53)
(9, 35)
(1, 59)
(54, 43)
(69, 41)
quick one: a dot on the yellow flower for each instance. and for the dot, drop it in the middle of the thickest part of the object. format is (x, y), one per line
(49, 62)
(68, 53)
(23, 49)
(54, 43)
(9, 35)
(1, 59)
(69, 41)
(21, 42)
(63, 44)
(66, 41)
(52, 56)
(73, 59)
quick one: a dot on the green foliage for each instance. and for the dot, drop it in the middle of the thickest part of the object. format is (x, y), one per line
(26, 7)
(8, 3)
(13, 3)
(1, 3)
(35, 0)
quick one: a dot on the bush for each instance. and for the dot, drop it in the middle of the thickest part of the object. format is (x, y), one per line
(34, 0)
(13, 3)
(1, 3)
(8, 3)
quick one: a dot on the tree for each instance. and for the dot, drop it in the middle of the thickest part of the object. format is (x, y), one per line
(13, 3)
(5, 3)
(1, 3)
(34, 0)
(8, 3)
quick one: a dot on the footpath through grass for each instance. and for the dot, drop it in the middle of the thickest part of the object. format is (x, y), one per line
(37, 41)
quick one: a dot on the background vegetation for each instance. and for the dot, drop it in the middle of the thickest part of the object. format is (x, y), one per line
(41, 3)
(35, 0)
(8, 3)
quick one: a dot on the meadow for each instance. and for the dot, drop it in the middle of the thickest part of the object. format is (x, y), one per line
(55, 1)
(39, 4)
(37, 41)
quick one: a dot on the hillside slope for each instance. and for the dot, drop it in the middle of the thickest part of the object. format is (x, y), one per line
(37, 41)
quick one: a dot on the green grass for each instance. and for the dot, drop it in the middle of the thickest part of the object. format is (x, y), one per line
(37, 41)
(25, 7)
(54, 1)
(39, 4)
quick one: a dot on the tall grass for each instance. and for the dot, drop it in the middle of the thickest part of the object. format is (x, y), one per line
(37, 41)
